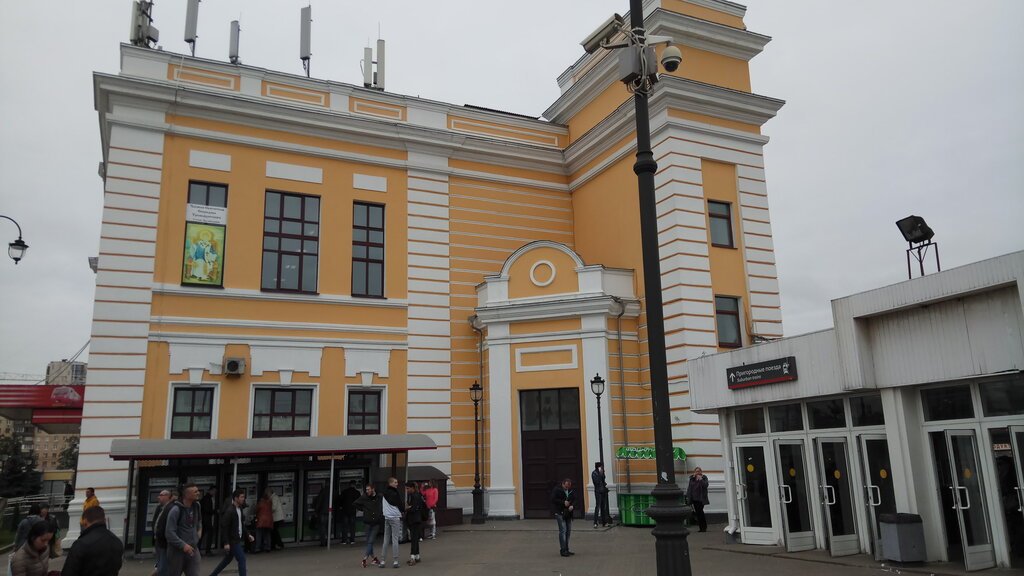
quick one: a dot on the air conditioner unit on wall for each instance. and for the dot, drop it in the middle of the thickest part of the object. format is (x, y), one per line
(234, 366)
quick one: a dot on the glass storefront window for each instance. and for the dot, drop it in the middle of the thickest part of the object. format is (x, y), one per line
(947, 403)
(867, 410)
(785, 418)
(826, 414)
(750, 421)
(1003, 398)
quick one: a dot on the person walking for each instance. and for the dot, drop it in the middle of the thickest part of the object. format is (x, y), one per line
(183, 531)
(392, 506)
(373, 519)
(277, 511)
(697, 493)
(347, 500)
(91, 501)
(601, 515)
(159, 538)
(33, 558)
(233, 534)
(97, 552)
(210, 509)
(564, 501)
(264, 521)
(322, 511)
(21, 535)
(415, 514)
(430, 496)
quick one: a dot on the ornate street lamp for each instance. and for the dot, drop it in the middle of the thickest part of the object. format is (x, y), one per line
(16, 250)
(597, 387)
(638, 63)
(476, 393)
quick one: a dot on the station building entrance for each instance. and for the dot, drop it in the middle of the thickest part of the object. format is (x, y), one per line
(913, 403)
(298, 470)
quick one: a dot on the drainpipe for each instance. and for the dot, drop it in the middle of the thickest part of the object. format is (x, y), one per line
(622, 389)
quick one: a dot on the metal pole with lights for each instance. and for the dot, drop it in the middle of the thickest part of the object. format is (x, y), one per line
(16, 250)
(637, 58)
(476, 393)
(597, 387)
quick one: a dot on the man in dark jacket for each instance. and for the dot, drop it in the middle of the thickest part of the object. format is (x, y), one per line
(233, 534)
(347, 500)
(563, 504)
(211, 513)
(373, 519)
(601, 515)
(97, 552)
(415, 514)
(184, 529)
(161, 551)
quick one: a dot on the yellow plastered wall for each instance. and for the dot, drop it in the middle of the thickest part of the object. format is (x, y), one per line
(545, 265)
(704, 13)
(728, 272)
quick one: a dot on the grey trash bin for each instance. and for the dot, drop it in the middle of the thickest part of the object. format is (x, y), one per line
(902, 537)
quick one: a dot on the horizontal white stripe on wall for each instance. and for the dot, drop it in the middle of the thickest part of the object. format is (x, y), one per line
(132, 138)
(119, 156)
(429, 328)
(101, 328)
(428, 223)
(209, 160)
(116, 393)
(111, 409)
(428, 274)
(429, 342)
(431, 410)
(521, 352)
(428, 210)
(115, 216)
(429, 248)
(132, 187)
(436, 287)
(295, 172)
(428, 425)
(431, 396)
(425, 197)
(429, 235)
(151, 175)
(429, 355)
(131, 263)
(429, 368)
(429, 300)
(371, 183)
(97, 361)
(100, 377)
(429, 313)
(429, 383)
(128, 232)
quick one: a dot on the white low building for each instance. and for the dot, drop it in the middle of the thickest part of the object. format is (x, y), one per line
(913, 403)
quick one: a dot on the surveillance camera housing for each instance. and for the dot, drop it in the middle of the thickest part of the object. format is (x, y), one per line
(606, 32)
(671, 57)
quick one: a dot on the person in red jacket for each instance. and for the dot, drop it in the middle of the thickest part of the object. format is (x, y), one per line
(264, 521)
(430, 495)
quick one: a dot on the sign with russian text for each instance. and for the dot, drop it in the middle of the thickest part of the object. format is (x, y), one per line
(206, 214)
(770, 372)
(646, 453)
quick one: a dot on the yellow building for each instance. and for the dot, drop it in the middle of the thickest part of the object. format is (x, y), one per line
(285, 256)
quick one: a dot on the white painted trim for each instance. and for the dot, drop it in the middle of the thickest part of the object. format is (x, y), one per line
(371, 183)
(572, 364)
(383, 404)
(363, 359)
(269, 324)
(209, 160)
(342, 300)
(295, 172)
(533, 276)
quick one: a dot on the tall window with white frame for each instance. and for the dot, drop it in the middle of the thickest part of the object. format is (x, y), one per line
(192, 415)
(368, 250)
(364, 409)
(720, 224)
(282, 412)
(291, 242)
(727, 320)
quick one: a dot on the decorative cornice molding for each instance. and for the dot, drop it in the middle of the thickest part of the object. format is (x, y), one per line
(524, 310)
(271, 325)
(242, 294)
(273, 341)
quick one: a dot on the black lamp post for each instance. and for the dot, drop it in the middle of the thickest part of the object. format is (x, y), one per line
(597, 387)
(476, 392)
(637, 59)
(16, 250)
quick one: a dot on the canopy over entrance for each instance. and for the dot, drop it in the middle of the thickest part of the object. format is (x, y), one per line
(122, 449)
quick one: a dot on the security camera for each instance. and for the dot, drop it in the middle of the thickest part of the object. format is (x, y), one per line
(670, 58)
(606, 32)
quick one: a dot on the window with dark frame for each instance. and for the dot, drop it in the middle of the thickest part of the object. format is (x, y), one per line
(282, 412)
(291, 242)
(207, 194)
(727, 320)
(368, 250)
(192, 415)
(364, 412)
(720, 222)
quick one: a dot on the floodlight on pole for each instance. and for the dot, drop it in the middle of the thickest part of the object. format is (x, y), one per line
(919, 236)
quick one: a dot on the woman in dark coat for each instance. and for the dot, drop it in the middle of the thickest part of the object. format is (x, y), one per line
(698, 496)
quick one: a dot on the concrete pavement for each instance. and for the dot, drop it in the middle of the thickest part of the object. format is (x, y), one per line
(530, 547)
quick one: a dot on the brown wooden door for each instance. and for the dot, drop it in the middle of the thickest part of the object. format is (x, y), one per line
(551, 446)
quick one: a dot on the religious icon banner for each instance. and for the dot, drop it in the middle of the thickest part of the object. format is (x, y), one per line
(204, 254)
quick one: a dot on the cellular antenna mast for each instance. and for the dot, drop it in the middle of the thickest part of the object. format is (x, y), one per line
(142, 32)
(233, 46)
(305, 23)
(374, 79)
(191, 20)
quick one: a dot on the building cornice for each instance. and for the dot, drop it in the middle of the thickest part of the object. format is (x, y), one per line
(244, 294)
(563, 306)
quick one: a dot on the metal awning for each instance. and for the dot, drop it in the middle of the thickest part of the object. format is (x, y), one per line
(421, 472)
(122, 449)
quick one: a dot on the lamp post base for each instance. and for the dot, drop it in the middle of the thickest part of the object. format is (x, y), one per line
(671, 547)
(478, 506)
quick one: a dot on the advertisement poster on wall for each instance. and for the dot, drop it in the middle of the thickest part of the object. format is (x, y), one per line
(204, 254)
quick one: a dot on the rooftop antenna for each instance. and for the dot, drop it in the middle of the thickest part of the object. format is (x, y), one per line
(191, 19)
(142, 32)
(233, 46)
(371, 79)
(919, 235)
(305, 20)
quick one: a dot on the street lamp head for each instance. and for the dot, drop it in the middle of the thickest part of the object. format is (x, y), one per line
(597, 385)
(476, 392)
(16, 250)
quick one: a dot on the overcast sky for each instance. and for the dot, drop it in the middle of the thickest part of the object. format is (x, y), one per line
(894, 107)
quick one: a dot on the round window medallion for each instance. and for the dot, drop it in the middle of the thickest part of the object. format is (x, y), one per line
(533, 273)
